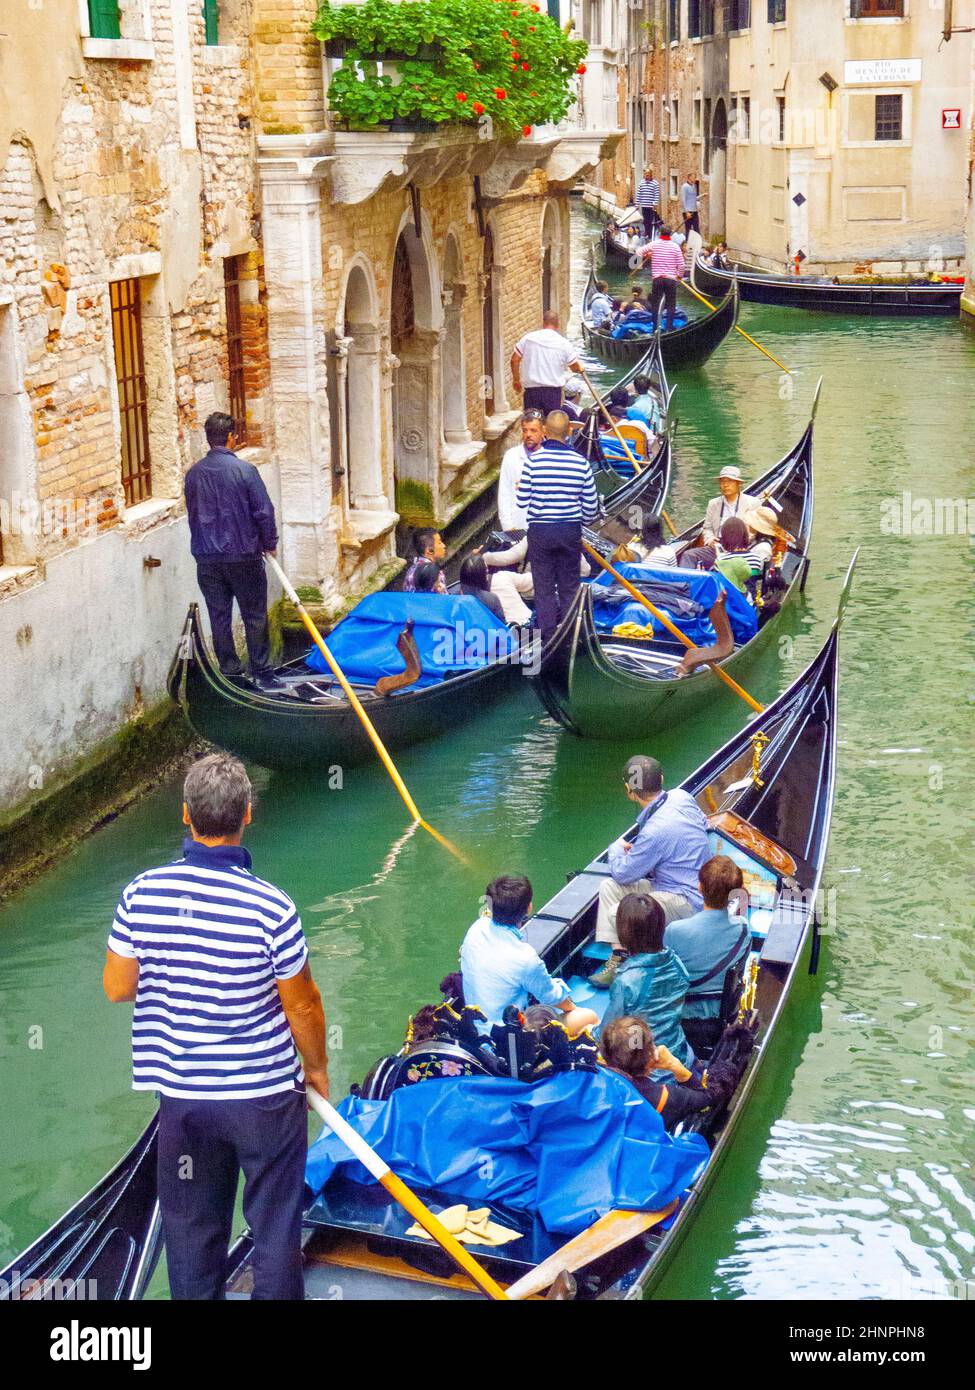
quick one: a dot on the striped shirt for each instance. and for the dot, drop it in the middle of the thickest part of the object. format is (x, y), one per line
(648, 193)
(666, 258)
(212, 940)
(556, 484)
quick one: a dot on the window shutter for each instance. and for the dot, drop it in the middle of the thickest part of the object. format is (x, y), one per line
(211, 19)
(103, 19)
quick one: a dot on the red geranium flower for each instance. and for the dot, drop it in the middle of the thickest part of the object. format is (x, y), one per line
(504, 33)
(500, 93)
(461, 96)
(526, 130)
(525, 67)
(581, 68)
(537, 9)
(478, 109)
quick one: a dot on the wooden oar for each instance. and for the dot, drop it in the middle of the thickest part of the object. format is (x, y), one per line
(626, 448)
(407, 1199)
(697, 295)
(671, 627)
(610, 1231)
(356, 704)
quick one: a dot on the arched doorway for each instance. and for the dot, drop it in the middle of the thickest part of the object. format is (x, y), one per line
(719, 171)
(415, 319)
(361, 396)
(454, 375)
(488, 345)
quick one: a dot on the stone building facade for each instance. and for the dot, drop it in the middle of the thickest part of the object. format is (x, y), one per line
(823, 129)
(182, 230)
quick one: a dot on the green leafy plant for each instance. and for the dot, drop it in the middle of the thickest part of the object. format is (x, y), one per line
(500, 64)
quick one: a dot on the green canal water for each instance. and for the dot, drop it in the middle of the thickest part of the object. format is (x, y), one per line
(853, 1175)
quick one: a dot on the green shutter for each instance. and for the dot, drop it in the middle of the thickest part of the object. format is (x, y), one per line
(211, 18)
(553, 10)
(103, 18)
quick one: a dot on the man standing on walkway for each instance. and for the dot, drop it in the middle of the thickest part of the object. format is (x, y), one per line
(648, 201)
(511, 517)
(231, 525)
(666, 268)
(558, 494)
(689, 197)
(540, 362)
(216, 962)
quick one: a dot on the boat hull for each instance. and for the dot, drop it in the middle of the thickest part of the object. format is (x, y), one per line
(283, 736)
(791, 292)
(684, 347)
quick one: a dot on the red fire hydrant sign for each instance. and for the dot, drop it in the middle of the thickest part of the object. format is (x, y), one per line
(951, 118)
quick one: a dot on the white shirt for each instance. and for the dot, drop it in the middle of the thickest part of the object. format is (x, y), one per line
(546, 357)
(500, 968)
(688, 197)
(511, 517)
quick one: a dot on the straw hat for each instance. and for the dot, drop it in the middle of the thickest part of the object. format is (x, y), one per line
(730, 471)
(763, 520)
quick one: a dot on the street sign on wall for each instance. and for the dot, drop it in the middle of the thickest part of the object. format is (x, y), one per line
(873, 70)
(951, 118)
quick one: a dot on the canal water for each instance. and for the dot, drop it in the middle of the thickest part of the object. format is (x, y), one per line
(852, 1177)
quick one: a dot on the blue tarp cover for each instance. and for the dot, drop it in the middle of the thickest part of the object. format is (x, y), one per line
(569, 1148)
(702, 589)
(632, 327)
(452, 633)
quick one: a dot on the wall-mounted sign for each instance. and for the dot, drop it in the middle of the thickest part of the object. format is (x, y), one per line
(951, 119)
(882, 70)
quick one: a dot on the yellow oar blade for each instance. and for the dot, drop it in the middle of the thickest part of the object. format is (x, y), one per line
(604, 1235)
(707, 303)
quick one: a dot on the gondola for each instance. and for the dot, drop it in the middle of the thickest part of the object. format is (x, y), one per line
(599, 685)
(689, 346)
(106, 1246)
(771, 810)
(622, 238)
(821, 293)
(307, 721)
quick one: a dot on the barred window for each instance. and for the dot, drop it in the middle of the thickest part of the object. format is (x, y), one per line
(130, 374)
(888, 116)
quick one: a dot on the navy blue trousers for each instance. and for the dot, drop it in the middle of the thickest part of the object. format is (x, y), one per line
(222, 581)
(203, 1145)
(554, 550)
(544, 398)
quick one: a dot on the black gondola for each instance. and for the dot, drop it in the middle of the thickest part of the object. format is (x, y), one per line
(828, 296)
(106, 1246)
(774, 809)
(689, 346)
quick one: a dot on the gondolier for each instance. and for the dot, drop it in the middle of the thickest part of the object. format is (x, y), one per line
(231, 525)
(540, 363)
(648, 201)
(666, 268)
(216, 962)
(558, 494)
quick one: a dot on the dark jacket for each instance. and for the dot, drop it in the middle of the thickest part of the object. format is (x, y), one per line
(230, 513)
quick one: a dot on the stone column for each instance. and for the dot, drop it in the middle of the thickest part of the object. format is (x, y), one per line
(291, 169)
(456, 429)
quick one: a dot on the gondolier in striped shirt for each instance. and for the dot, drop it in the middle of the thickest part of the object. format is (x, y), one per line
(666, 268)
(216, 962)
(558, 494)
(648, 201)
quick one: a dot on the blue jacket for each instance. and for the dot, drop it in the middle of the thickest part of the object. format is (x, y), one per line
(652, 986)
(230, 513)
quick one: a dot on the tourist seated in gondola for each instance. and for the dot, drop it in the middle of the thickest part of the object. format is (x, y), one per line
(650, 983)
(718, 258)
(709, 944)
(428, 547)
(649, 548)
(629, 1048)
(636, 306)
(428, 578)
(498, 591)
(514, 555)
(733, 556)
(601, 305)
(663, 858)
(571, 395)
(733, 501)
(768, 541)
(499, 967)
(642, 405)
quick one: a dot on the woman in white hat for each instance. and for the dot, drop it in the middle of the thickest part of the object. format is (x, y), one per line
(732, 502)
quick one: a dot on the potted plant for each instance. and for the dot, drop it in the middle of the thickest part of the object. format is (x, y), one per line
(500, 64)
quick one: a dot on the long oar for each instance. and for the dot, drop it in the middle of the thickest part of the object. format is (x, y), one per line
(407, 1199)
(671, 627)
(626, 448)
(697, 295)
(603, 1235)
(356, 704)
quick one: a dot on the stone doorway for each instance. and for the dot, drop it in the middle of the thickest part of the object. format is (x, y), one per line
(415, 342)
